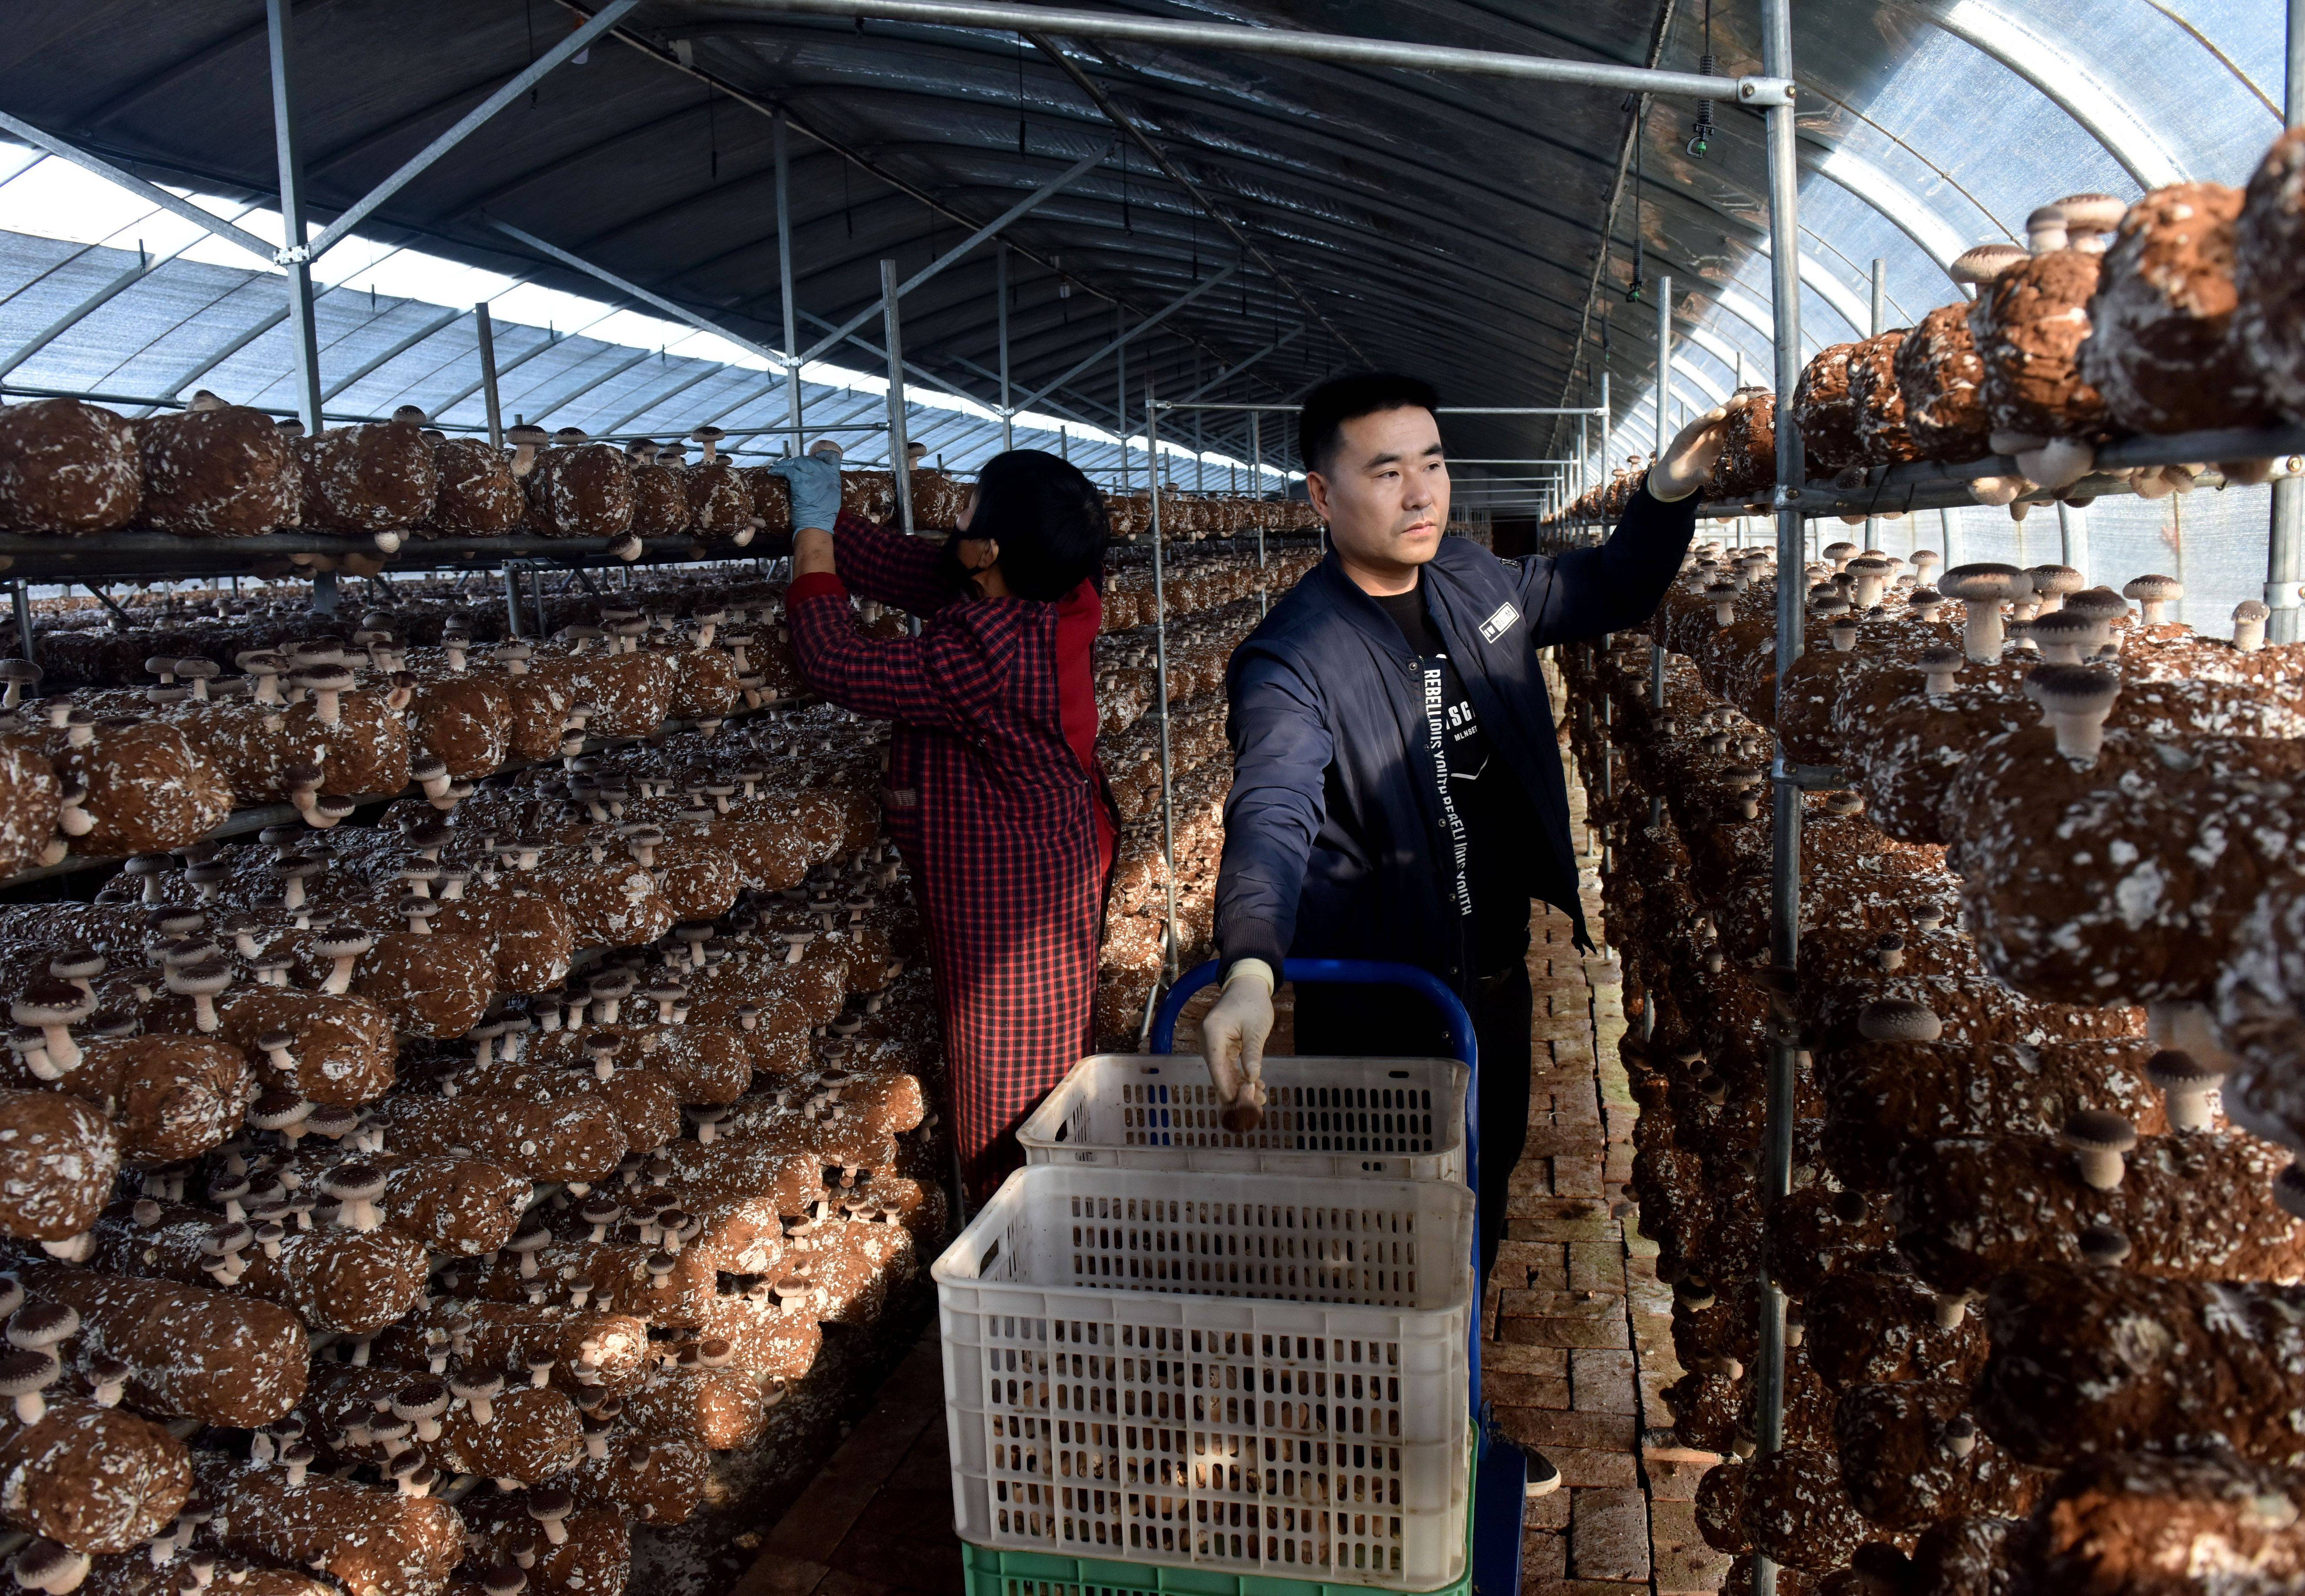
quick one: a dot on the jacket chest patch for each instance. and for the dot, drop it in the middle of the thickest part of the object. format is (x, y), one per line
(1500, 623)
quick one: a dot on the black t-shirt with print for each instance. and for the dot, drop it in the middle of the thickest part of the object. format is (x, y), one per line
(1481, 796)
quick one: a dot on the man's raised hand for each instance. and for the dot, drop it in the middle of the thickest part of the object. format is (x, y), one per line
(1688, 459)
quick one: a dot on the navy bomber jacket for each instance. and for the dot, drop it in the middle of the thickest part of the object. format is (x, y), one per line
(1334, 846)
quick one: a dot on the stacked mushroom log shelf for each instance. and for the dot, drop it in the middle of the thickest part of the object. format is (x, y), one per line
(351, 1235)
(2047, 1008)
(2149, 348)
(321, 719)
(220, 488)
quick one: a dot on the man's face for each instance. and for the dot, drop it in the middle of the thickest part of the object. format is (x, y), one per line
(1385, 495)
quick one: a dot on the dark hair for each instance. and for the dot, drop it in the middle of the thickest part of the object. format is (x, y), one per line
(1048, 519)
(1321, 424)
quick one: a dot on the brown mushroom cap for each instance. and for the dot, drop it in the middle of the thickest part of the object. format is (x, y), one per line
(48, 1001)
(354, 1183)
(2075, 628)
(332, 1120)
(81, 963)
(481, 1384)
(2097, 602)
(2090, 213)
(2103, 1244)
(1979, 266)
(421, 1399)
(2153, 589)
(2098, 1130)
(201, 980)
(2170, 1068)
(322, 678)
(1898, 1019)
(26, 1371)
(2072, 689)
(38, 1326)
(548, 1504)
(533, 1238)
(1985, 583)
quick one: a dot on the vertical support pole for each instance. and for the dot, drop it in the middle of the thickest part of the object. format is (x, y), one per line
(1256, 463)
(1663, 437)
(512, 597)
(1949, 534)
(1607, 414)
(1121, 385)
(900, 441)
(2072, 530)
(2284, 551)
(785, 288)
(1786, 808)
(24, 607)
(1007, 414)
(1879, 315)
(1160, 683)
(279, 30)
(485, 325)
(1664, 361)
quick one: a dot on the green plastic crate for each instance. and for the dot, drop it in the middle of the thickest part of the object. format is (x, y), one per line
(991, 1573)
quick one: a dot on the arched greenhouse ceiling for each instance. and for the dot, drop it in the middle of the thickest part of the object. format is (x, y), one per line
(1447, 224)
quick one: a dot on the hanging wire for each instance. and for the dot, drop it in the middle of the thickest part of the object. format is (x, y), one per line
(1703, 132)
(1020, 94)
(1126, 224)
(530, 7)
(712, 131)
(1640, 120)
(848, 201)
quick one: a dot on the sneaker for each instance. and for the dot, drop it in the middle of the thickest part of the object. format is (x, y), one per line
(1543, 1479)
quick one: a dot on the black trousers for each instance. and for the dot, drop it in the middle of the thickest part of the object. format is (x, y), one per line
(1394, 1023)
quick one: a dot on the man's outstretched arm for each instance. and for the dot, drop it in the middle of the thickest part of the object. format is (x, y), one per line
(1281, 747)
(1587, 592)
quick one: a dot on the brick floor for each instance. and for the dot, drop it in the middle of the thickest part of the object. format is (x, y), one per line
(1576, 1300)
(1578, 1343)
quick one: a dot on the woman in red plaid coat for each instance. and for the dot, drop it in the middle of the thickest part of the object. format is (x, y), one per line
(994, 792)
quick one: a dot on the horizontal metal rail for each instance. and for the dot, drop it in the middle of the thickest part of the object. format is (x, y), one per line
(162, 555)
(1942, 485)
(1279, 41)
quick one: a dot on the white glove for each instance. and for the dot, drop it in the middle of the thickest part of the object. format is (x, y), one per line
(1232, 1036)
(1688, 459)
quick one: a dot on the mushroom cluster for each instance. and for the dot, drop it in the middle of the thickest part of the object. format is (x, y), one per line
(466, 1198)
(2048, 1029)
(319, 722)
(2177, 313)
(214, 468)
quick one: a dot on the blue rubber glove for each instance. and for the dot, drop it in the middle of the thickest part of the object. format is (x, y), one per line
(815, 483)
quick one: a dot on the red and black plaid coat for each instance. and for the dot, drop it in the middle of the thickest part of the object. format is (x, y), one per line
(996, 800)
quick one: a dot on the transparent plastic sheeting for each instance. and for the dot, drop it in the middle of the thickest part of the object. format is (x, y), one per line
(1951, 147)
(157, 339)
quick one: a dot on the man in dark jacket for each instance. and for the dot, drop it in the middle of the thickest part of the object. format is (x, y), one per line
(1397, 787)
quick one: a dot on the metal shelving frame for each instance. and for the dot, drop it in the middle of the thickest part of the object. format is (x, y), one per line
(1918, 486)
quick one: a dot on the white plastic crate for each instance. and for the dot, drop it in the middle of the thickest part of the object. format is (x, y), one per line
(1248, 1374)
(1390, 1118)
